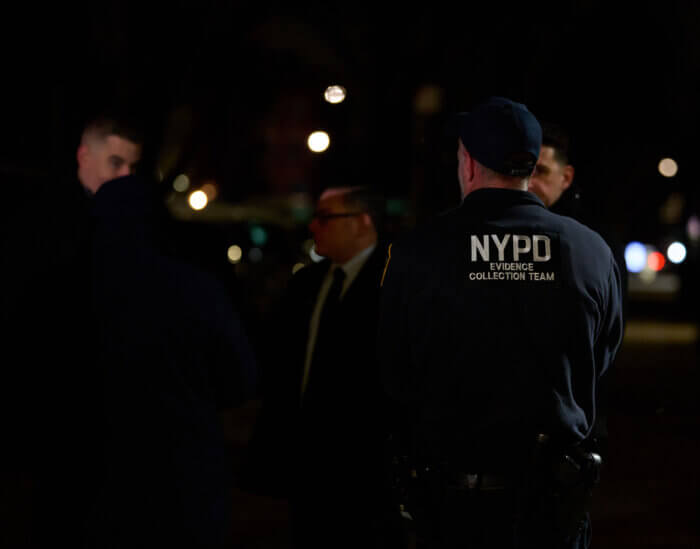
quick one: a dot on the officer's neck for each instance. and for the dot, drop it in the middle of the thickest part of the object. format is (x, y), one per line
(509, 183)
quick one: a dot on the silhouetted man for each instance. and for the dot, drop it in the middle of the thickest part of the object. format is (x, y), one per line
(172, 355)
(321, 408)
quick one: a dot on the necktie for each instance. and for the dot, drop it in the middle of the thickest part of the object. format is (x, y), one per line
(326, 344)
(332, 299)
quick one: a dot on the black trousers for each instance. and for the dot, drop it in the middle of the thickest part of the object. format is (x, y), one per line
(447, 518)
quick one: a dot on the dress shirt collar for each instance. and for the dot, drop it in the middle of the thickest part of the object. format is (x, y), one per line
(353, 267)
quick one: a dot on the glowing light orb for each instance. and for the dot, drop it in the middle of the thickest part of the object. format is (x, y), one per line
(635, 257)
(258, 235)
(318, 142)
(181, 183)
(198, 200)
(656, 261)
(335, 94)
(210, 190)
(668, 167)
(235, 254)
(676, 253)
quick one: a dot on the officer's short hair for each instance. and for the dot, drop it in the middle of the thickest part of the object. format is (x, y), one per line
(366, 199)
(553, 135)
(106, 124)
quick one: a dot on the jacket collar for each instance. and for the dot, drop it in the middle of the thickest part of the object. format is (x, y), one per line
(486, 201)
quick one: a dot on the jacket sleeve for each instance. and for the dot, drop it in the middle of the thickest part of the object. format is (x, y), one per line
(610, 335)
(393, 349)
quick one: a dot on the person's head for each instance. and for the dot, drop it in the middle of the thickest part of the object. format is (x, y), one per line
(553, 173)
(345, 222)
(499, 142)
(108, 149)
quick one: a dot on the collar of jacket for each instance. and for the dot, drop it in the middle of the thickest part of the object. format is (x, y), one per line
(490, 200)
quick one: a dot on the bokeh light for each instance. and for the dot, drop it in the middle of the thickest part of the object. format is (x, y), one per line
(648, 276)
(335, 94)
(635, 257)
(258, 235)
(693, 228)
(255, 255)
(668, 167)
(210, 189)
(656, 261)
(198, 200)
(235, 254)
(318, 141)
(676, 252)
(181, 183)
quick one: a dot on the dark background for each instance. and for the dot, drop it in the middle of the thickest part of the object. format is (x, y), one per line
(230, 91)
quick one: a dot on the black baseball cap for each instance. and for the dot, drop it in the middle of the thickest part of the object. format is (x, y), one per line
(502, 135)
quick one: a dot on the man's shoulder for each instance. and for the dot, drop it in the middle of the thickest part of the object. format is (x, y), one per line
(369, 276)
(429, 229)
(576, 230)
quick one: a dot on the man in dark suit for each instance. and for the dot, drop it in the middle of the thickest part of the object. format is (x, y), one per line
(321, 412)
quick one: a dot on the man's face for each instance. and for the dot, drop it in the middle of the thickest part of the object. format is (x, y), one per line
(551, 177)
(334, 227)
(101, 160)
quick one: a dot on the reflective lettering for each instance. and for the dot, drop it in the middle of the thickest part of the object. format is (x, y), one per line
(501, 246)
(545, 243)
(481, 247)
(524, 248)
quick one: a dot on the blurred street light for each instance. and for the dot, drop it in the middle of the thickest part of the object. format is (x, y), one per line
(668, 167)
(335, 94)
(181, 183)
(198, 200)
(318, 141)
(235, 254)
(656, 261)
(635, 257)
(676, 253)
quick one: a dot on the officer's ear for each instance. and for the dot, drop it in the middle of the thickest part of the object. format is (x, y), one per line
(81, 154)
(466, 166)
(568, 174)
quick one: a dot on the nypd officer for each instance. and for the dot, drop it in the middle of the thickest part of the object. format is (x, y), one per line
(497, 321)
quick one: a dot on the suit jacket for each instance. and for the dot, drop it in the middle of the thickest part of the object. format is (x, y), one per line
(337, 425)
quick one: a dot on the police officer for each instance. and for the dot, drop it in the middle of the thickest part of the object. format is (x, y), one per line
(497, 321)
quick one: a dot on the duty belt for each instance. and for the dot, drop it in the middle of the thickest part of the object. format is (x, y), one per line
(481, 482)
(468, 481)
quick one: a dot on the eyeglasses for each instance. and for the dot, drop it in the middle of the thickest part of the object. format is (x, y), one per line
(323, 217)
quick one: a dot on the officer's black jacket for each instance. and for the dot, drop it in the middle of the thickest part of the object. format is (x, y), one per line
(483, 349)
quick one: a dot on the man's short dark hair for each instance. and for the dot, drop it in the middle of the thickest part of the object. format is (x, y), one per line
(106, 124)
(553, 135)
(368, 200)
